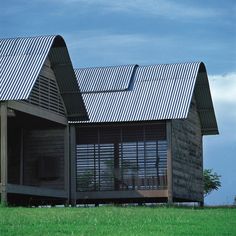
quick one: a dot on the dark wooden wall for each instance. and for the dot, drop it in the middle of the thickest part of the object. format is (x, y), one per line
(14, 154)
(187, 157)
(44, 158)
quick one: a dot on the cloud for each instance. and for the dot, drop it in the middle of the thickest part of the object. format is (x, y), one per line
(110, 40)
(220, 150)
(164, 8)
(223, 88)
(154, 8)
(101, 47)
(89, 48)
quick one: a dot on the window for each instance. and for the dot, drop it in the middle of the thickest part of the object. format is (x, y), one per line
(121, 158)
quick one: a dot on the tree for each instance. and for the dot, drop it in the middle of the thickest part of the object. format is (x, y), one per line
(211, 181)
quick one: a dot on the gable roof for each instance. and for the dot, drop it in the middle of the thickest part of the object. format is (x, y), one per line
(147, 93)
(21, 62)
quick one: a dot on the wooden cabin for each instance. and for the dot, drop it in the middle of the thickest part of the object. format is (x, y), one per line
(143, 140)
(38, 95)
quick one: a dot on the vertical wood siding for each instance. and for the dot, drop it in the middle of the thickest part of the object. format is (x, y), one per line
(14, 150)
(187, 157)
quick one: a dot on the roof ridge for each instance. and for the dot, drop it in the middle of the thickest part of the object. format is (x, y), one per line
(148, 65)
(104, 67)
(30, 37)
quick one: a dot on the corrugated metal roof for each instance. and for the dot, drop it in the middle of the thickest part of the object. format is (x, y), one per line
(21, 60)
(157, 92)
(97, 79)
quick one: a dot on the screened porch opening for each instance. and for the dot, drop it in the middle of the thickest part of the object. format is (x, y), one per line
(35, 152)
(121, 158)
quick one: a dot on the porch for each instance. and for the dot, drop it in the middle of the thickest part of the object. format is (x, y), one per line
(34, 155)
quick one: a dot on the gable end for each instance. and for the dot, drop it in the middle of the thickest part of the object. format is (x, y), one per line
(45, 92)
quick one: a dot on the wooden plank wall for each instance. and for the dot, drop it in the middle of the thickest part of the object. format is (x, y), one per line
(187, 157)
(44, 158)
(14, 154)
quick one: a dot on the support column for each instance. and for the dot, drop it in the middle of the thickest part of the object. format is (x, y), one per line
(116, 166)
(201, 203)
(72, 165)
(3, 118)
(67, 163)
(22, 157)
(169, 161)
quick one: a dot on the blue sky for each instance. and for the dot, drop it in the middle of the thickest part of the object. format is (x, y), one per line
(107, 32)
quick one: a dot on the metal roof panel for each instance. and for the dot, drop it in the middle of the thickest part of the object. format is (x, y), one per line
(156, 92)
(105, 79)
(21, 62)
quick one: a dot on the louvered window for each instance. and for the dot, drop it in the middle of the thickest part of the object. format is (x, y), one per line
(45, 94)
(121, 158)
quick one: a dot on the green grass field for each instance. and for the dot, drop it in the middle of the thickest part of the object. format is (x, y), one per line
(117, 221)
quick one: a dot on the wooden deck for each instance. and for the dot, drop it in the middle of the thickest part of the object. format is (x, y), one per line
(36, 191)
(122, 194)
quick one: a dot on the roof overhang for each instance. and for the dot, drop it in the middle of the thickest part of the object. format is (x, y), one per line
(204, 103)
(66, 79)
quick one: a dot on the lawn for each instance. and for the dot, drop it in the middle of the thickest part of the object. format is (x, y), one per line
(117, 221)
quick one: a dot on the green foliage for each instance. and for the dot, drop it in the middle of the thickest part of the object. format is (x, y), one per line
(211, 181)
(117, 221)
(86, 180)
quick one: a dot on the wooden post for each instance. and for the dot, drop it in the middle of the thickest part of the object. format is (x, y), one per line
(22, 157)
(67, 162)
(201, 203)
(72, 165)
(3, 153)
(116, 166)
(169, 161)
